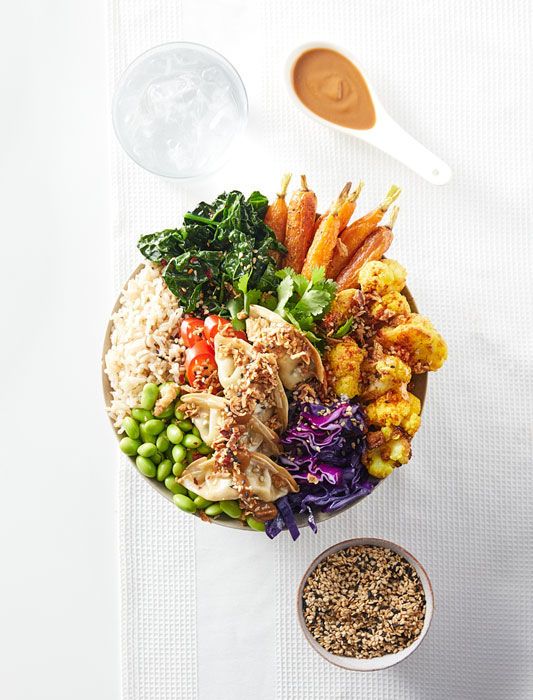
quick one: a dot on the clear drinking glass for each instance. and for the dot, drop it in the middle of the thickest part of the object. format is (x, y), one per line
(178, 109)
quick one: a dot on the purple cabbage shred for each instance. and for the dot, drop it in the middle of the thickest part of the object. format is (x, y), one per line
(323, 446)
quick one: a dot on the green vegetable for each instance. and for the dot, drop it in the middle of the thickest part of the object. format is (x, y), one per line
(154, 426)
(149, 396)
(201, 502)
(162, 443)
(184, 503)
(167, 413)
(255, 524)
(185, 425)
(231, 508)
(174, 434)
(195, 431)
(129, 446)
(204, 449)
(179, 453)
(146, 466)
(179, 415)
(173, 486)
(141, 414)
(191, 442)
(147, 449)
(344, 329)
(145, 435)
(131, 427)
(213, 510)
(217, 245)
(164, 469)
(178, 468)
(304, 302)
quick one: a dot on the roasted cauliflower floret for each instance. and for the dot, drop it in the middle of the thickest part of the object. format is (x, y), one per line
(392, 409)
(382, 276)
(343, 360)
(388, 306)
(381, 461)
(416, 342)
(382, 375)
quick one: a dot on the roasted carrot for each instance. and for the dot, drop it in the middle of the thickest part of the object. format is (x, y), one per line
(276, 215)
(354, 234)
(372, 248)
(321, 249)
(343, 197)
(300, 225)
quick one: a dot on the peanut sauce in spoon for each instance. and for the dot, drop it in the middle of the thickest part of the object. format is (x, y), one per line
(329, 84)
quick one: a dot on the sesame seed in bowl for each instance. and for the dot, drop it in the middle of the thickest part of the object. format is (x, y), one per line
(365, 604)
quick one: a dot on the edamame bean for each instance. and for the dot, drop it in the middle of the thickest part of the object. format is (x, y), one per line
(184, 503)
(179, 415)
(204, 449)
(146, 466)
(164, 469)
(154, 426)
(192, 494)
(174, 434)
(141, 414)
(157, 458)
(195, 431)
(168, 412)
(191, 442)
(149, 396)
(162, 443)
(147, 449)
(178, 468)
(172, 485)
(131, 427)
(201, 502)
(231, 508)
(185, 425)
(255, 524)
(129, 446)
(179, 453)
(145, 436)
(213, 510)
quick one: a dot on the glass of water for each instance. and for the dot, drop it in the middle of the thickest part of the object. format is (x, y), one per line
(178, 109)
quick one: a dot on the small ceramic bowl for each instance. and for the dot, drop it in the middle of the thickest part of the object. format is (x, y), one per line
(377, 663)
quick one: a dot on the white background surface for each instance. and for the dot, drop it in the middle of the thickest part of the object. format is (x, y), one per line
(460, 80)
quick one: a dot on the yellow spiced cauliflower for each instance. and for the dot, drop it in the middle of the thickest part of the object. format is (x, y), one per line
(381, 461)
(343, 359)
(382, 276)
(388, 306)
(416, 342)
(394, 409)
(389, 372)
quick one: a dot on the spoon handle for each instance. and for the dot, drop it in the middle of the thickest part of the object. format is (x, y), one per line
(392, 139)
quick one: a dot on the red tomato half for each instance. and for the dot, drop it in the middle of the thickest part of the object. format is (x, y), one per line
(199, 361)
(191, 331)
(214, 323)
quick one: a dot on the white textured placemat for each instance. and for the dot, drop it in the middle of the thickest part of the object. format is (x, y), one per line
(457, 75)
(157, 548)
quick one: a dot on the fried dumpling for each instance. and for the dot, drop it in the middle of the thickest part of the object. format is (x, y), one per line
(251, 381)
(207, 412)
(266, 480)
(298, 360)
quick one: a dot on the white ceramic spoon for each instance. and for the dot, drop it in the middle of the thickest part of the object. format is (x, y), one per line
(386, 134)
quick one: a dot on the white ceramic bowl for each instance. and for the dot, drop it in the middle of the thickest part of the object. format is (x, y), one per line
(378, 663)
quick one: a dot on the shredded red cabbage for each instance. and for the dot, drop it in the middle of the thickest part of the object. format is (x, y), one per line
(323, 446)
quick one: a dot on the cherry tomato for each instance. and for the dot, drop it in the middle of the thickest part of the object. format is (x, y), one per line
(199, 361)
(213, 324)
(191, 331)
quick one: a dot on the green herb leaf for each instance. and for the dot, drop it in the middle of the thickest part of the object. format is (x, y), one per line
(344, 329)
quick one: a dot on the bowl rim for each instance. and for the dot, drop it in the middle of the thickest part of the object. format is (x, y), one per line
(419, 388)
(375, 663)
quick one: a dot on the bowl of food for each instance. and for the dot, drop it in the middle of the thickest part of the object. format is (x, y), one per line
(365, 604)
(265, 368)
